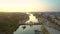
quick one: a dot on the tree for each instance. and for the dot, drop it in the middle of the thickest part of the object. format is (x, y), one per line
(9, 22)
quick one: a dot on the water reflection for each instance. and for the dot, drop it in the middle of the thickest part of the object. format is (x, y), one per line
(32, 19)
(28, 29)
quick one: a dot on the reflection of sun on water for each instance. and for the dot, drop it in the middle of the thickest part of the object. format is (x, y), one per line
(32, 19)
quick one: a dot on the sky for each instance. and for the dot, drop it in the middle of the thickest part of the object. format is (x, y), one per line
(29, 5)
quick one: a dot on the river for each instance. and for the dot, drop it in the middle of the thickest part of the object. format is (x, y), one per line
(29, 29)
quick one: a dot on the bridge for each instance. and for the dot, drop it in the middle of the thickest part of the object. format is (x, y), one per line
(31, 24)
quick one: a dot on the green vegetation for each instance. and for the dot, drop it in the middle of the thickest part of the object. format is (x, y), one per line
(44, 30)
(9, 22)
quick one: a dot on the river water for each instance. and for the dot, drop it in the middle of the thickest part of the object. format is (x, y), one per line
(28, 29)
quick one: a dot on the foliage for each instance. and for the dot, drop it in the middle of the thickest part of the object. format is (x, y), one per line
(9, 21)
(44, 30)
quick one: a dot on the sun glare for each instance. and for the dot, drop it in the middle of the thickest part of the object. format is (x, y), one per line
(32, 19)
(21, 6)
(5, 7)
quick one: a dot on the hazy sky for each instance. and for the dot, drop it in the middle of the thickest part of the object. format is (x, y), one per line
(29, 5)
